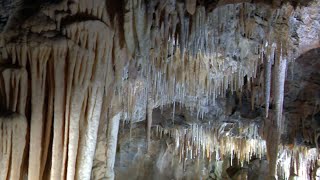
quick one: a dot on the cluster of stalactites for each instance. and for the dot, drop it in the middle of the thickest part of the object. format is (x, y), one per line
(183, 59)
(216, 143)
(190, 82)
(196, 58)
(67, 79)
(297, 162)
(212, 143)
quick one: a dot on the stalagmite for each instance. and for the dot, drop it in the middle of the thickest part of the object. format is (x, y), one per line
(272, 149)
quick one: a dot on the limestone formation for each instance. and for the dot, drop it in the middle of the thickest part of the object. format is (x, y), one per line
(185, 89)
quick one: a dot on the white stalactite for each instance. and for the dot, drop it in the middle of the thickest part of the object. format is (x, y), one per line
(112, 138)
(267, 86)
(280, 75)
(275, 128)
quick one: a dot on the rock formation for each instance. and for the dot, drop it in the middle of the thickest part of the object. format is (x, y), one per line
(195, 89)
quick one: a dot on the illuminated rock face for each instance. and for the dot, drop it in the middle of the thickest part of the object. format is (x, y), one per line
(75, 74)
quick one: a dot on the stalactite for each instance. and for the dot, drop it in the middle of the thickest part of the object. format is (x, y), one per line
(280, 75)
(89, 126)
(197, 141)
(59, 55)
(74, 65)
(14, 97)
(38, 58)
(12, 145)
(180, 9)
(150, 105)
(191, 6)
(112, 137)
(268, 64)
(76, 93)
(129, 27)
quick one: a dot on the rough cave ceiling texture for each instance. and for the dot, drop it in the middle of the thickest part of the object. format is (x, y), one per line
(226, 88)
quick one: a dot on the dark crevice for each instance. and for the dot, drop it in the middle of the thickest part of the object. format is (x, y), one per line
(79, 17)
(115, 9)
